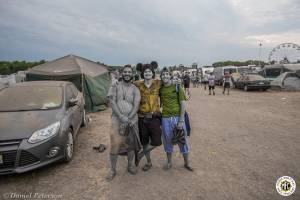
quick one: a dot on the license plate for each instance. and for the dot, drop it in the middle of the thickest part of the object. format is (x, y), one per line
(1, 159)
(261, 83)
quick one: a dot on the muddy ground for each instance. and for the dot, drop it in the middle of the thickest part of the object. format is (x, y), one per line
(240, 145)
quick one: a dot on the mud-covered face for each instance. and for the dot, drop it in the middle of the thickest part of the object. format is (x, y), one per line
(127, 74)
(175, 80)
(148, 74)
(166, 77)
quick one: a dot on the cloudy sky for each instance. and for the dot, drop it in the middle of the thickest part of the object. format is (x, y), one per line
(131, 31)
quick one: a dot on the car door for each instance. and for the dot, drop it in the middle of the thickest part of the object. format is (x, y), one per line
(74, 111)
(239, 82)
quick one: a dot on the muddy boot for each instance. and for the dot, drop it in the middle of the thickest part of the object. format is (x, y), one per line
(169, 163)
(186, 162)
(113, 163)
(148, 165)
(131, 167)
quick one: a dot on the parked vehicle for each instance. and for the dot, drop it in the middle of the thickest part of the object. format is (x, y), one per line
(205, 71)
(219, 73)
(39, 122)
(252, 82)
(241, 70)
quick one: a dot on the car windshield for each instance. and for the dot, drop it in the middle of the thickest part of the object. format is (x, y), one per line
(256, 78)
(23, 98)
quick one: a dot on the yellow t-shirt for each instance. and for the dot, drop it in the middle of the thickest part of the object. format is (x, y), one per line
(149, 96)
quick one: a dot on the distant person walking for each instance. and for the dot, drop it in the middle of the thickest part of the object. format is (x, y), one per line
(227, 82)
(205, 80)
(211, 83)
(186, 83)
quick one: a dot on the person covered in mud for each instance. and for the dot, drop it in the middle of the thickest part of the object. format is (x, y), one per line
(149, 112)
(173, 102)
(125, 99)
(227, 81)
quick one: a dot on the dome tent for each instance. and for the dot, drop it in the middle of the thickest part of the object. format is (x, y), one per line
(89, 77)
(287, 81)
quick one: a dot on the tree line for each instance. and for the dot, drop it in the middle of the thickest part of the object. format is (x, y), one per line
(10, 67)
(239, 63)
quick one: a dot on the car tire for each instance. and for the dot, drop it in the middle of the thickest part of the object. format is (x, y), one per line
(69, 147)
(246, 88)
(84, 120)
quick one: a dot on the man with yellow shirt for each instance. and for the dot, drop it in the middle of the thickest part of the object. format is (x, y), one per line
(149, 114)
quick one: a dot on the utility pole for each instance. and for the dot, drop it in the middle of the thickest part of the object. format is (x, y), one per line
(260, 44)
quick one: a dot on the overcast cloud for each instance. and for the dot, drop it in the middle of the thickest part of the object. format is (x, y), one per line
(131, 31)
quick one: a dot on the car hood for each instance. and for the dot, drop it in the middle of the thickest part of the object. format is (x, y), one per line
(20, 125)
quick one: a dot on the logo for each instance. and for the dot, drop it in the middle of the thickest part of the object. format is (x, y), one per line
(285, 185)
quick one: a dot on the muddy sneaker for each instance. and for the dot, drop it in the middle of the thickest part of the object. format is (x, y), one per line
(167, 166)
(132, 170)
(189, 168)
(111, 175)
(147, 166)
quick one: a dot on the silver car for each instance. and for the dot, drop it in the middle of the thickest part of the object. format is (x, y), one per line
(39, 122)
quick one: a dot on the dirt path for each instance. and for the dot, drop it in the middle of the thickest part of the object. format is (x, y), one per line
(240, 145)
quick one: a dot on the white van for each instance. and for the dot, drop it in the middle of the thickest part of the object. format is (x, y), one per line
(219, 73)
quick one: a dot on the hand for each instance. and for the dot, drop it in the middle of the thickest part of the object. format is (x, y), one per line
(180, 125)
(124, 119)
(130, 122)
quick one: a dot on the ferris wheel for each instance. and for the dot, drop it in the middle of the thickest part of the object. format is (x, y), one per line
(285, 53)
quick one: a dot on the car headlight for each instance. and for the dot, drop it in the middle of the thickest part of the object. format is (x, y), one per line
(44, 133)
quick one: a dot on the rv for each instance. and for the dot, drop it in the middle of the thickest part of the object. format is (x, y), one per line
(219, 73)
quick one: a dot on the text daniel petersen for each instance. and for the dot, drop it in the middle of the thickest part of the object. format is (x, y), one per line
(14, 195)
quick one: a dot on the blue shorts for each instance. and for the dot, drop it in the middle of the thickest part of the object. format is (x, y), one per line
(167, 129)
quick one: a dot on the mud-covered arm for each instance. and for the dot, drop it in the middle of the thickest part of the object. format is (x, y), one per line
(136, 103)
(182, 110)
(182, 101)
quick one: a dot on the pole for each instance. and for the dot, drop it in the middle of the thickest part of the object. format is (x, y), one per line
(260, 44)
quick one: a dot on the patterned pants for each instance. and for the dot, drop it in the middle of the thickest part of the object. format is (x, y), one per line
(168, 124)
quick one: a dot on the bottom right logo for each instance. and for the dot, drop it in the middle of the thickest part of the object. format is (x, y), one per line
(285, 185)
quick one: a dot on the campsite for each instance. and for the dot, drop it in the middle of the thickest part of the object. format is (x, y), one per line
(241, 144)
(245, 137)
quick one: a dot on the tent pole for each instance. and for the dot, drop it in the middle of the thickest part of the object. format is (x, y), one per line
(82, 88)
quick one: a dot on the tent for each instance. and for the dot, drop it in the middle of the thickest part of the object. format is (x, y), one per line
(271, 72)
(287, 81)
(89, 77)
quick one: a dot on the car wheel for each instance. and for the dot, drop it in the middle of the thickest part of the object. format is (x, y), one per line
(245, 87)
(83, 121)
(69, 147)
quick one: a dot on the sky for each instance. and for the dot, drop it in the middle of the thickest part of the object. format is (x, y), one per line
(118, 32)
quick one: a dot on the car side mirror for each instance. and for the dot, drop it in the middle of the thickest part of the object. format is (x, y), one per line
(73, 102)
